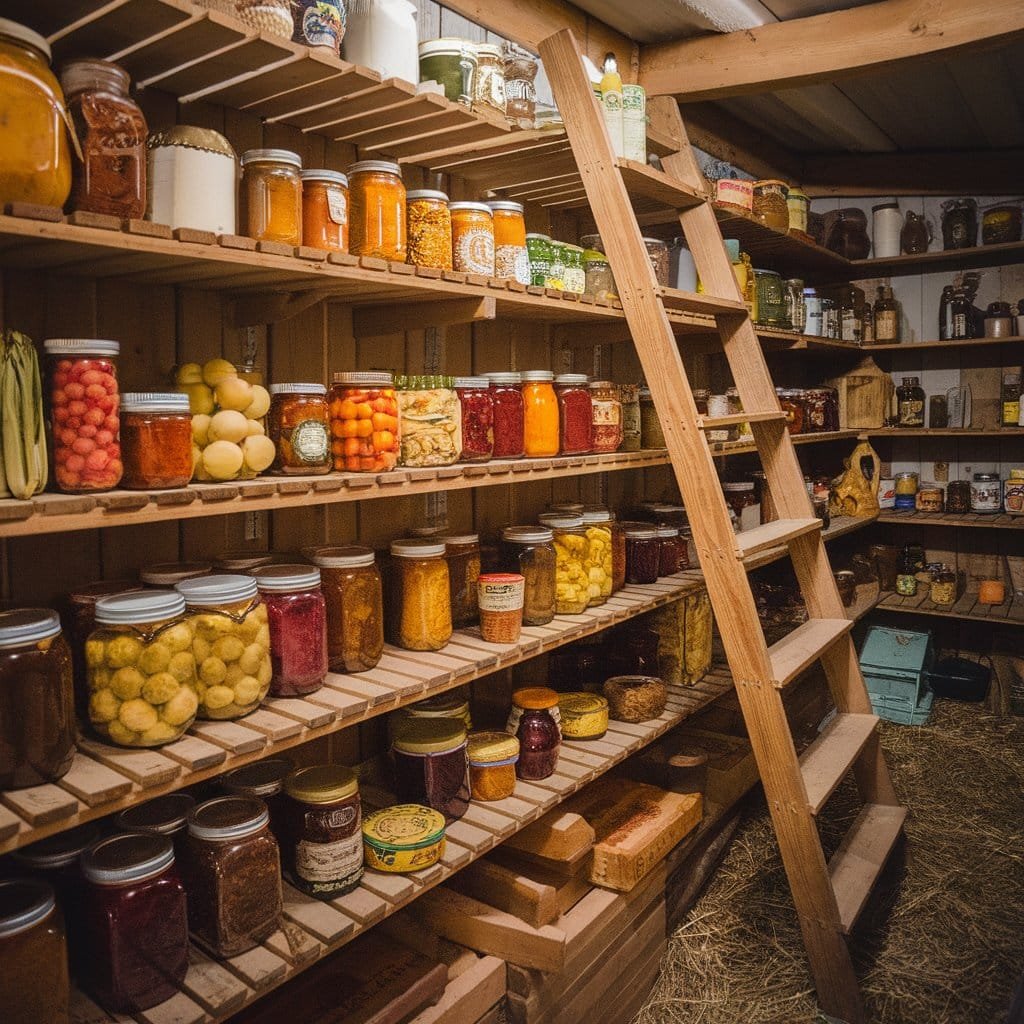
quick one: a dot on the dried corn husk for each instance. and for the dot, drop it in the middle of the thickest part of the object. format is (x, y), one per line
(684, 639)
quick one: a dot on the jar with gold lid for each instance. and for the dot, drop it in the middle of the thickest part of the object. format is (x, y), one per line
(770, 204)
(492, 765)
(431, 767)
(272, 195)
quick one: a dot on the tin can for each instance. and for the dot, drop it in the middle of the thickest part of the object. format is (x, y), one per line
(735, 192)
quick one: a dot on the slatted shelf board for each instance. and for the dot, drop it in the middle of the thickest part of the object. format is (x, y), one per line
(978, 520)
(1010, 612)
(56, 513)
(747, 447)
(312, 929)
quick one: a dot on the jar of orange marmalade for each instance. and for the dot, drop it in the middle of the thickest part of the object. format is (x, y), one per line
(377, 214)
(325, 210)
(511, 259)
(472, 238)
(272, 194)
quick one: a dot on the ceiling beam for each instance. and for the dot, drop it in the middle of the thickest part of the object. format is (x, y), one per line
(825, 47)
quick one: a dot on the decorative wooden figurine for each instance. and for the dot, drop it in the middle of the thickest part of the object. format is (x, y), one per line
(855, 493)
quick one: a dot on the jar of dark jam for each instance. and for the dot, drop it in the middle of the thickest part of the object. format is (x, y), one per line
(643, 554)
(262, 780)
(163, 816)
(575, 417)
(534, 723)
(34, 985)
(672, 550)
(477, 418)
(431, 766)
(509, 414)
(134, 922)
(323, 845)
(958, 497)
(233, 875)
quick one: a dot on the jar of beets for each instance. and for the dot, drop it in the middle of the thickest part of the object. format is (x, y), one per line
(507, 396)
(84, 410)
(575, 416)
(477, 418)
(534, 721)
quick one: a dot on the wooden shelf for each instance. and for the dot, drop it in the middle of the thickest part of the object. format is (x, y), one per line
(719, 448)
(962, 343)
(840, 526)
(973, 520)
(1010, 432)
(935, 262)
(1010, 612)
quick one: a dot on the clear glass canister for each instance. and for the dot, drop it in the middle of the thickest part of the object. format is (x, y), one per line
(156, 440)
(84, 413)
(575, 416)
(541, 254)
(272, 195)
(472, 238)
(325, 210)
(507, 396)
(111, 131)
(607, 414)
(364, 422)
(575, 273)
(540, 414)
(530, 551)
(37, 699)
(429, 229)
(35, 157)
(643, 554)
(419, 599)
(377, 210)
(431, 767)
(600, 555)
(297, 617)
(511, 258)
(477, 418)
(299, 424)
(600, 284)
(462, 553)
(352, 589)
(572, 576)
(141, 669)
(430, 421)
(231, 644)
(651, 434)
(987, 493)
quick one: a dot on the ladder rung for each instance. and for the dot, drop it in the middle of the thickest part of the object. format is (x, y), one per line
(649, 183)
(861, 857)
(801, 648)
(735, 419)
(826, 761)
(771, 535)
(691, 302)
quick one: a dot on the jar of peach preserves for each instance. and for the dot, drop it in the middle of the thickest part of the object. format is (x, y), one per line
(377, 211)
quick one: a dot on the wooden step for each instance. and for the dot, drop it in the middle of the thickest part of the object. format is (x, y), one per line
(861, 857)
(801, 648)
(771, 535)
(691, 302)
(826, 761)
(735, 419)
(649, 183)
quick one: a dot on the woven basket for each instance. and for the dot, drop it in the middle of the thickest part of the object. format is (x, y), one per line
(271, 16)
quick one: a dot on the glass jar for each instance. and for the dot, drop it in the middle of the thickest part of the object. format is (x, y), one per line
(651, 433)
(846, 585)
(906, 490)
(673, 556)
(472, 238)
(511, 259)
(134, 922)
(958, 497)
(817, 410)
(520, 91)
(792, 403)
(419, 599)
(453, 705)
(910, 403)
(534, 723)
(364, 422)
(231, 644)
(942, 590)
(272, 195)
(489, 80)
(170, 574)
(960, 223)
(575, 416)
(463, 557)
(600, 284)
(1013, 493)
(84, 404)
(848, 235)
(430, 421)
(263, 781)
(33, 949)
(540, 414)
(299, 424)
(556, 275)
(492, 765)
(165, 816)
(607, 416)
(156, 440)
(572, 578)
(141, 669)
(325, 210)
(477, 418)
(629, 396)
(111, 131)
(575, 273)
(451, 63)
(323, 848)
(232, 872)
(297, 617)
(770, 206)
(598, 562)
(530, 552)
(771, 299)
(431, 768)
(37, 699)
(509, 414)
(377, 216)
(643, 554)
(657, 253)
(930, 498)
(541, 254)
(428, 229)
(35, 158)
(351, 586)
(987, 493)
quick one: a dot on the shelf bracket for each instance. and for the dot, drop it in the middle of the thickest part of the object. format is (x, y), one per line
(376, 321)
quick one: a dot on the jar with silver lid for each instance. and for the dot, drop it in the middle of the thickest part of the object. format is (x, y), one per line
(987, 493)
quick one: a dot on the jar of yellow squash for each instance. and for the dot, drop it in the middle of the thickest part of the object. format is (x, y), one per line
(419, 610)
(597, 524)
(572, 580)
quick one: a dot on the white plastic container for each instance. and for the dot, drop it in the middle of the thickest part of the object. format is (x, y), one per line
(381, 34)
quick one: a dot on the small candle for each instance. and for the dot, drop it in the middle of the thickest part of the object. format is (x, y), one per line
(991, 592)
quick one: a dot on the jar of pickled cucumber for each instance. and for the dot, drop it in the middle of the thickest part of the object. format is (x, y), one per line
(231, 644)
(572, 571)
(141, 669)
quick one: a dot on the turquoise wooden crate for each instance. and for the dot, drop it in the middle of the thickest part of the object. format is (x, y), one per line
(894, 663)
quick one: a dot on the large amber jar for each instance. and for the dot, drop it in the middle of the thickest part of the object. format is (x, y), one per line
(111, 131)
(511, 259)
(325, 210)
(419, 600)
(472, 238)
(351, 584)
(377, 212)
(35, 160)
(540, 414)
(272, 195)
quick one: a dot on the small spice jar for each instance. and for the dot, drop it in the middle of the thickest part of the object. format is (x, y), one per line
(943, 588)
(462, 553)
(428, 229)
(364, 422)
(501, 606)
(272, 195)
(325, 210)
(987, 493)
(165, 815)
(529, 551)
(770, 204)
(262, 780)
(156, 440)
(606, 409)
(509, 414)
(492, 765)
(534, 722)
(477, 418)
(540, 414)
(472, 238)
(297, 617)
(377, 210)
(643, 553)
(299, 424)
(232, 872)
(419, 598)
(511, 259)
(323, 848)
(635, 698)
(582, 716)
(403, 838)
(673, 552)
(575, 416)
(651, 433)
(351, 585)
(431, 766)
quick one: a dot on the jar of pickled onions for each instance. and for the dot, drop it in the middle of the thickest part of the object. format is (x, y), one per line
(540, 414)
(364, 422)
(272, 195)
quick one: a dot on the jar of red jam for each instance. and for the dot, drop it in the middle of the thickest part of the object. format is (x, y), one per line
(297, 617)
(156, 439)
(507, 397)
(85, 413)
(575, 415)
(643, 554)
(262, 780)
(431, 767)
(533, 721)
(672, 550)
(134, 921)
(477, 418)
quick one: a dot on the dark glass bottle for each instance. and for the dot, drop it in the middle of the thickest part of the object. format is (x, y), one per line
(946, 314)
(910, 402)
(961, 315)
(887, 317)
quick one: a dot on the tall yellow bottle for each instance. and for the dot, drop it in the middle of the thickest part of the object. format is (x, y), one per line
(611, 103)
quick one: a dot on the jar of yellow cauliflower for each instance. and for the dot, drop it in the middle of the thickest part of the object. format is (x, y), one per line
(231, 644)
(600, 550)
(140, 669)
(572, 571)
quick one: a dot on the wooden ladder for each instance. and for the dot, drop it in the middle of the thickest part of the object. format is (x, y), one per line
(828, 896)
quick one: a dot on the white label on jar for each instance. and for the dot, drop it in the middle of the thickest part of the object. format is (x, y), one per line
(337, 208)
(501, 595)
(575, 280)
(512, 261)
(474, 252)
(986, 495)
(606, 413)
(1013, 499)
(310, 442)
(329, 862)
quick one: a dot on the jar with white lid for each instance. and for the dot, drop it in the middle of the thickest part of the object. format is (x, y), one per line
(419, 613)
(351, 585)
(572, 576)
(272, 195)
(325, 209)
(472, 238)
(156, 440)
(299, 424)
(598, 527)
(511, 259)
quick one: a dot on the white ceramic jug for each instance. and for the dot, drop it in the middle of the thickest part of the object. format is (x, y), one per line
(382, 35)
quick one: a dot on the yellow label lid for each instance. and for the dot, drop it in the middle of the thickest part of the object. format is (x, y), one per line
(429, 735)
(578, 704)
(491, 747)
(403, 827)
(321, 784)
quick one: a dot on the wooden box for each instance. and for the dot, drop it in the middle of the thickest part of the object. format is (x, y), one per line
(865, 396)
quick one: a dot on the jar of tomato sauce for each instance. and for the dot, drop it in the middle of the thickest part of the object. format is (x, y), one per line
(325, 210)
(507, 396)
(477, 418)
(575, 416)
(300, 427)
(156, 440)
(364, 422)
(540, 414)
(272, 195)
(377, 219)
